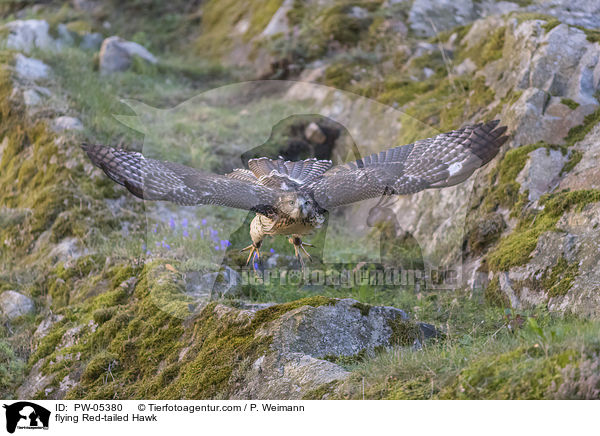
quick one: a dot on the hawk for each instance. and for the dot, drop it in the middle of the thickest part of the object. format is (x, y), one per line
(292, 198)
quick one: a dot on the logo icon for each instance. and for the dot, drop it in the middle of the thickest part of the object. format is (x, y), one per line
(26, 415)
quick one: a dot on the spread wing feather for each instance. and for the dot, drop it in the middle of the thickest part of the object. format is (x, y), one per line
(159, 180)
(287, 175)
(441, 161)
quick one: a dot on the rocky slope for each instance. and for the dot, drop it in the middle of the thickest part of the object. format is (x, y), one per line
(104, 297)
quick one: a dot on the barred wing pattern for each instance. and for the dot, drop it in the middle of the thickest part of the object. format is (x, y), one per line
(152, 179)
(441, 161)
(437, 162)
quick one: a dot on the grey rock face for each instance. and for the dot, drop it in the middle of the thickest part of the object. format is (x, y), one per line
(25, 35)
(14, 304)
(302, 337)
(67, 123)
(340, 330)
(44, 327)
(546, 66)
(541, 172)
(279, 22)
(91, 41)
(576, 244)
(429, 17)
(586, 175)
(30, 69)
(116, 54)
(584, 13)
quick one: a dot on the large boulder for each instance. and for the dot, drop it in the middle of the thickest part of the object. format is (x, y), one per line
(116, 54)
(26, 35)
(306, 341)
(14, 304)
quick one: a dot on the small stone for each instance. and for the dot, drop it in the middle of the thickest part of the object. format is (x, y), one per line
(116, 54)
(14, 304)
(67, 123)
(31, 69)
(91, 41)
(31, 97)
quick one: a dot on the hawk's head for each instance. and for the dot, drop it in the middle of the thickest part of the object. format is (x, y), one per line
(297, 206)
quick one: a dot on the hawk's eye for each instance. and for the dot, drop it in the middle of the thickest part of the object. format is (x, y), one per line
(291, 202)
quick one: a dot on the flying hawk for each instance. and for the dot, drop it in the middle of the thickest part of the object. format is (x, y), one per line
(291, 198)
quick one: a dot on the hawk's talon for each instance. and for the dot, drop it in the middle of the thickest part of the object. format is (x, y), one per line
(299, 249)
(253, 252)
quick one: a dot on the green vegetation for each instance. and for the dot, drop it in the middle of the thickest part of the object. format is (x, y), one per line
(515, 249)
(572, 104)
(560, 279)
(128, 328)
(524, 363)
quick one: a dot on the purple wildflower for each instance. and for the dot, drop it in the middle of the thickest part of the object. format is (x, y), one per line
(184, 223)
(203, 222)
(172, 223)
(185, 233)
(272, 250)
(217, 247)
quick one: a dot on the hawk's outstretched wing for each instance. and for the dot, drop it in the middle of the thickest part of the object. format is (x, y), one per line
(444, 160)
(152, 179)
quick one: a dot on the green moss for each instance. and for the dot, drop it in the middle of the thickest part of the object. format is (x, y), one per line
(572, 104)
(560, 278)
(494, 295)
(404, 332)
(48, 343)
(220, 18)
(11, 370)
(551, 23)
(487, 50)
(515, 249)
(100, 316)
(461, 32)
(338, 22)
(321, 392)
(592, 35)
(504, 189)
(364, 308)
(496, 377)
(98, 366)
(577, 133)
(574, 159)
